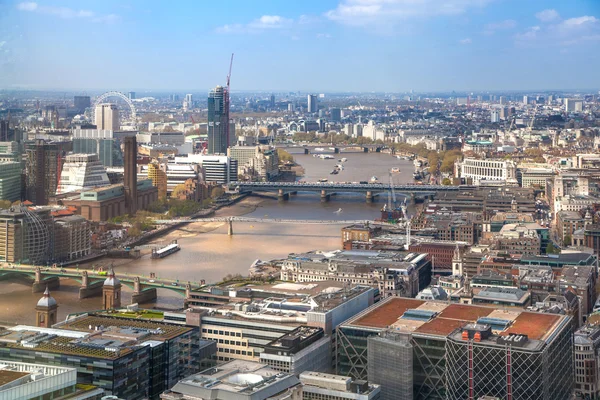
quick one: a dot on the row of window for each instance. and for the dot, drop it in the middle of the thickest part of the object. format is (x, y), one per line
(222, 333)
(238, 352)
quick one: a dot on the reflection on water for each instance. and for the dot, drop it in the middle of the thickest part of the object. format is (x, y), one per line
(209, 253)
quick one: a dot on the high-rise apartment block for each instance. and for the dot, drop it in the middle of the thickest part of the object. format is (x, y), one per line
(218, 121)
(107, 117)
(44, 160)
(573, 105)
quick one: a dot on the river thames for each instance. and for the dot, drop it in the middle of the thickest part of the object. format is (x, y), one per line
(208, 253)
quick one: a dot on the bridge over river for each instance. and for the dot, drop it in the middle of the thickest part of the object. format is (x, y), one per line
(144, 287)
(326, 189)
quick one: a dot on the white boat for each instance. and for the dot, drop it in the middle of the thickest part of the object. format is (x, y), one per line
(374, 179)
(323, 180)
(338, 211)
(332, 148)
(319, 149)
(344, 159)
(395, 170)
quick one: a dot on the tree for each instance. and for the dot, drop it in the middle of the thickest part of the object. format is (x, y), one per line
(4, 204)
(216, 192)
(567, 240)
(551, 249)
(178, 191)
(446, 182)
(284, 156)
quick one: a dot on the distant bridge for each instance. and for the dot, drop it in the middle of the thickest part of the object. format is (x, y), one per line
(336, 149)
(284, 189)
(144, 287)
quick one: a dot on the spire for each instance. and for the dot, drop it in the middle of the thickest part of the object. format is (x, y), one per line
(456, 253)
(46, 292)
(47, 300)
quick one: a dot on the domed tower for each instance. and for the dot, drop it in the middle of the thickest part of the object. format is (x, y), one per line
(111, 291)
(46, 310)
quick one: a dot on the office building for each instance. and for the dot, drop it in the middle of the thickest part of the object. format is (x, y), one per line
(237, 380)
(526, 100)
(313, 105)
(480, 171)
(82, 172)
(336, 114)
(4, 130)
(130, 175)
(158, 177)
(536, 177)
(24, 235)
(393, 273)
(390, 365)
(10, 151)
(80, 103)
(107, 117)
(105, 143)
(573, 105)
(587, 361)
(321, 386)
(27, 381)
(131, 95)
(303, 349)
(10, 180)
(167, 176)
(218, 121)
(217, 169)
(258, 162)
(515, 354)
(43, 162)
(246, 321)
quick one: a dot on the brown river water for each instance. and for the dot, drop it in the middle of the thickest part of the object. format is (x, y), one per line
(208, 253)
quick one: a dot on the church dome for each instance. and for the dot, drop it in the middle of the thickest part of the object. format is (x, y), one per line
(47, 300)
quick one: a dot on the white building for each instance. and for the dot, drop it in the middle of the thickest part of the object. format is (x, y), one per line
(24, 381)
(82, 171)
(107, 117)
(495, 116)
(573, 105)
(536, 177)
(322, 386)
(481, 171)
(217, 169)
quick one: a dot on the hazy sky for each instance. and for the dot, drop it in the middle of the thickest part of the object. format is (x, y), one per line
(308, 45)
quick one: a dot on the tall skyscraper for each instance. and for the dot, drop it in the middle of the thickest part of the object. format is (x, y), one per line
(130, 174)
(131, 95)
(218, 119)
(107, 117)
(4, 129)
(312, 103)
(272, 102)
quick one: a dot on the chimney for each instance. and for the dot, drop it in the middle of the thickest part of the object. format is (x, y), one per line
(130, 175)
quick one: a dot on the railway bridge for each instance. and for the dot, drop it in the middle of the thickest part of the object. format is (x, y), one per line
(143, 287)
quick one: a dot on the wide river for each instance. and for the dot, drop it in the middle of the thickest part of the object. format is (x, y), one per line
(209, 253)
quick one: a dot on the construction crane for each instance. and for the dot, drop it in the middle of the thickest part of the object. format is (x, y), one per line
(530, 127)
(227, 100)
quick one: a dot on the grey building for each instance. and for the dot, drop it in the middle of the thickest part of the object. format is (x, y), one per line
(390, 364)
(218, 121)
(320, 386)
(237, 380)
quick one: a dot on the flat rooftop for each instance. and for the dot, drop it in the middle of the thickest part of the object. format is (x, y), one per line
(7, 376)
(440, 319)
(132, 329)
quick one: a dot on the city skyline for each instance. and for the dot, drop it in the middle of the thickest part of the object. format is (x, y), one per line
(326, 46)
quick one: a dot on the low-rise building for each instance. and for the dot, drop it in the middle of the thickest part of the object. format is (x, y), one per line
(317, 385)
(239, 380)
(393, 273)
(25, 381)
(507, 297)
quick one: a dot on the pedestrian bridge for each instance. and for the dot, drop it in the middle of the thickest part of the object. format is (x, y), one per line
(144, 287)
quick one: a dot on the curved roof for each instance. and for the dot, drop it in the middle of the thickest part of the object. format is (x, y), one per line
(47, 300)
(112, 280)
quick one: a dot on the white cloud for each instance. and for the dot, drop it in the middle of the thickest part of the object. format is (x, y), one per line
(66, 13)
(567, 32)
(547, 15)
(266, 22)
(27, 6)
(465, 41)
(366, 12)
(491, 28)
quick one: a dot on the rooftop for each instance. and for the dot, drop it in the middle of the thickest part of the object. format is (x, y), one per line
(444, 318)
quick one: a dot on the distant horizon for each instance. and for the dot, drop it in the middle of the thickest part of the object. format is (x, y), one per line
(323, 46)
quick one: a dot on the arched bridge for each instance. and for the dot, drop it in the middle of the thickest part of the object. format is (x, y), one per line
(284, 189)
(144, 287)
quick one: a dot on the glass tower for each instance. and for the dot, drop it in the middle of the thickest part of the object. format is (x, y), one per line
(218, 118)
